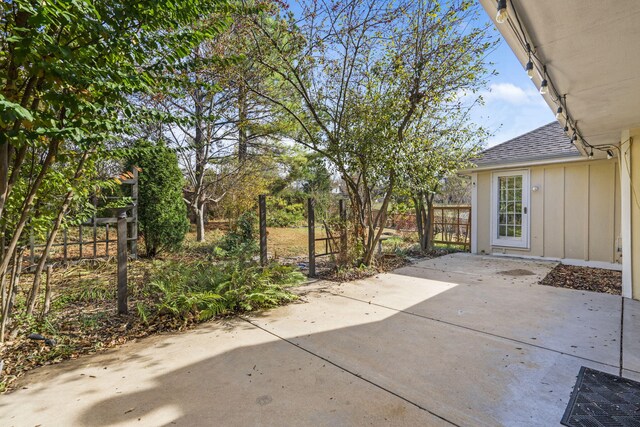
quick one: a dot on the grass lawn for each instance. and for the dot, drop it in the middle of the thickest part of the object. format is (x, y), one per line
(290, 242)
(282, 242)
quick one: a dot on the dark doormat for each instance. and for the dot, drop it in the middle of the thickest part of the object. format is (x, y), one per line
(603, 400)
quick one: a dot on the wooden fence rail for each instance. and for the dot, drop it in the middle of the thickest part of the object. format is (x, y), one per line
(451, 225)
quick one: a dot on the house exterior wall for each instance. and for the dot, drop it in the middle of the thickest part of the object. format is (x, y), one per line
(574, 215)
(635, 214)
(630, 190)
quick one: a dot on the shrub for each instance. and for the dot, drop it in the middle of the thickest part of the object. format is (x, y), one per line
(201, 290)
(281, 213)
(240, 241)
(162, 213)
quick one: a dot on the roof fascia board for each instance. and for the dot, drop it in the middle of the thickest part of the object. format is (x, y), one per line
(524, 164)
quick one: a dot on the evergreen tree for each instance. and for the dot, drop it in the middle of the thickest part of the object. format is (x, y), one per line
(162, 212)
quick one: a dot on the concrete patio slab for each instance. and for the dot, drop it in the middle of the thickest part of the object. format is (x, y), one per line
(468, 378)
(585, 324)
(631, 338)
(525, 271)
(435, 343)
(231, 374)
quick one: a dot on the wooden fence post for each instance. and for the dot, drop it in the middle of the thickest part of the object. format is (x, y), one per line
(122, 263)
(262, 210)
(94, 201)
(311, 224)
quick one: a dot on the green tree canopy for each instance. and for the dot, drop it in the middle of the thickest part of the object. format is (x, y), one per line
(368, 75)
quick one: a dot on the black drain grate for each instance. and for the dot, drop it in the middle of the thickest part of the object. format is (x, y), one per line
(603, 400)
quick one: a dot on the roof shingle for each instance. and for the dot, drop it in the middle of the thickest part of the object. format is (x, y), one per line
(546, 142)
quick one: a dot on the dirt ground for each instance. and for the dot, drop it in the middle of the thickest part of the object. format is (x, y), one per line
(585, 279)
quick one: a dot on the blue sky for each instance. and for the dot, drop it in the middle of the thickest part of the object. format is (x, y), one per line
(513, 105)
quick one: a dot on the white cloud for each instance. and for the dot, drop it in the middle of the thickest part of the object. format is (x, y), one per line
(511, 94)
(504, 93)
(509, 109)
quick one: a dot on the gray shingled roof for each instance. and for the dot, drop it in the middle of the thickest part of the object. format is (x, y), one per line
(546, 142)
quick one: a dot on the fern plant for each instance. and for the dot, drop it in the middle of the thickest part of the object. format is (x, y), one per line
(199, 291)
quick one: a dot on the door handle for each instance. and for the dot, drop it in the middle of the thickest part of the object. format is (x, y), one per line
(525, 210)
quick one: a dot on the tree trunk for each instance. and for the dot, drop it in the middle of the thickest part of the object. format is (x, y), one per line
(37, 277)
(47, 292)
(377, 227)
(242, 123)
(28, 204)
(418, 207)
(200, 233)
(428, 217)
(201, 161)
(12, 292)
(3, 298)
(4, 175)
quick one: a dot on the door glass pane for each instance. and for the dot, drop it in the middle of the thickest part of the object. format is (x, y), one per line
(510, 206)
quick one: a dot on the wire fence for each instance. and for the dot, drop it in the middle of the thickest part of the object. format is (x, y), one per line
(94, 239)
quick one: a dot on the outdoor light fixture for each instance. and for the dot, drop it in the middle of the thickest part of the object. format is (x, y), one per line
(575, 138)
(609, 154)
(591, 154)
(529, 68)
(544, 87)
(502, 15)
(559, 113)
(566, 128)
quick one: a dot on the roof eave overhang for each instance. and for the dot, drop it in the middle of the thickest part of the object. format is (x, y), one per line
(590, 51)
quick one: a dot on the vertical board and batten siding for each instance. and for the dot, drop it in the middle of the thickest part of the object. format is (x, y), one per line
(603, 189)
(536, 212)
(574, 214)
(576, 211)
(552, 191)
(483, 230)
(634, 167)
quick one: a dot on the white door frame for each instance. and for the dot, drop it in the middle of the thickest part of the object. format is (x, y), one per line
(523, 241)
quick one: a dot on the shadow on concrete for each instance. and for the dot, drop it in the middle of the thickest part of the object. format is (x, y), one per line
(364, 355)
